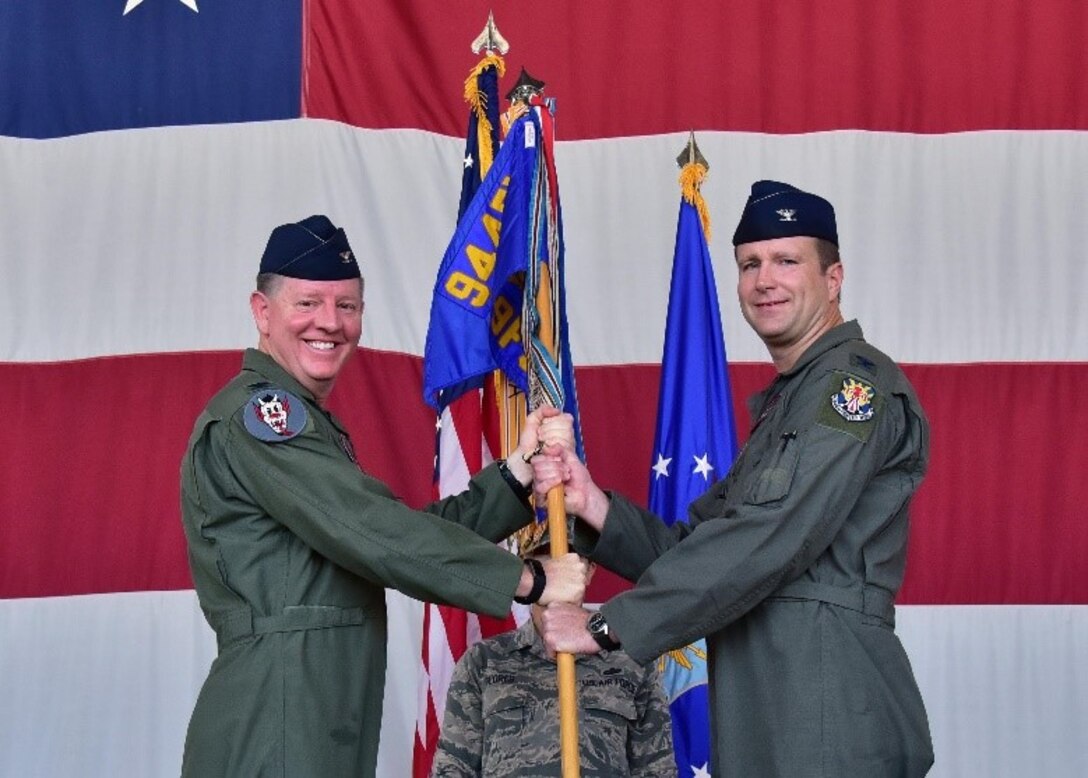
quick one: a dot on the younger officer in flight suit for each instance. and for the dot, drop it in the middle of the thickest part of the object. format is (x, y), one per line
(790, 565)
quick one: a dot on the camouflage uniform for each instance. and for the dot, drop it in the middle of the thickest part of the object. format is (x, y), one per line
(502, 714)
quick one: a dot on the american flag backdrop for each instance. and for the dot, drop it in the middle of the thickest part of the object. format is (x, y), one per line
(148, 147)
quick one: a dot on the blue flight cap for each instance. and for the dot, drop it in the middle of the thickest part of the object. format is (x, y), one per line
(313, 249)
(777, 210)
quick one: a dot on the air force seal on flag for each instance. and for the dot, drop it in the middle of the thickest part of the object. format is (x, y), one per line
(273, 415)
(853, 402)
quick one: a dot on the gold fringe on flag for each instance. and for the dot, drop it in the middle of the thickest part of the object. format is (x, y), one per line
(478, 101)
(691, 178)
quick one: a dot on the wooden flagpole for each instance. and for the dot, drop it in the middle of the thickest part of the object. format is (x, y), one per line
(557, 533)
(515, 405)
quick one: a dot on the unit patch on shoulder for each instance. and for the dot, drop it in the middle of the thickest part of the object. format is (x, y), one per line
(854, 401)
(851, 404)
(274, 415)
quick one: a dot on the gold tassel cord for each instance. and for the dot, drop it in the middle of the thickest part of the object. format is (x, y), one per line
(691, 179)
(472, 93)
(478, 102)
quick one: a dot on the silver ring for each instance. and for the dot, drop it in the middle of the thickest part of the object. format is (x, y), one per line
(528, 457)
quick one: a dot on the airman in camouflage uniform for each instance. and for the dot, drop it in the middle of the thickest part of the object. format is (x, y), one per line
(502, 712)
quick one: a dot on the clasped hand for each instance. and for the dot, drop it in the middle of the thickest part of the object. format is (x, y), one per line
(567, 576)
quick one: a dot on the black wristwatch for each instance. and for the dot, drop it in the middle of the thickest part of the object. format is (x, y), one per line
(598, 628)
(523, 491)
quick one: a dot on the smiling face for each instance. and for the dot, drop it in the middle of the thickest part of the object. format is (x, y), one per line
(310, 328)
(785, 295)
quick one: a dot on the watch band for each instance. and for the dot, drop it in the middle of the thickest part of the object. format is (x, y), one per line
(521, 490)
(540, 580)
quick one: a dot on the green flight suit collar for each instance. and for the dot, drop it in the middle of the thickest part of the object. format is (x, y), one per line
(834, 337)
(269, 369)
(760, 402)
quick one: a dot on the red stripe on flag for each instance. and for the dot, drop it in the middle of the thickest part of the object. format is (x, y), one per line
(467, 419)
(785, 67)
(423, 744)
(90, 502)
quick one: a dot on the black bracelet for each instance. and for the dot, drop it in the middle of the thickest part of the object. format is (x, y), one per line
(539, 582)
(521, 490)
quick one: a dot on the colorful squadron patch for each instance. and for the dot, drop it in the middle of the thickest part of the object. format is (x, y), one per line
(273, 415)
(854, 402)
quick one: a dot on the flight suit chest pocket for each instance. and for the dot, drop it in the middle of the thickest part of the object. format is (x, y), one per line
(773, 476)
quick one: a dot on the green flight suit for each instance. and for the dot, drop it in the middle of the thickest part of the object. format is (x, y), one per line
(790, 567)
(291, 547)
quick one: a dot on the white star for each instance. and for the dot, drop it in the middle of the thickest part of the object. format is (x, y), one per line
(703, 466)
(130, 4)
(438, 423)
(700, 772)
(469, 161)
(661, 467)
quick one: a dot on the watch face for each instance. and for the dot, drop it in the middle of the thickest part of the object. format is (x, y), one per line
(598, 628)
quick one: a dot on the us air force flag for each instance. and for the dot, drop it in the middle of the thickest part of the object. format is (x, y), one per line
(694, 446)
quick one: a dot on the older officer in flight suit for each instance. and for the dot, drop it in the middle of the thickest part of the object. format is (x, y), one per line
(291, 544)
(791, 564)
